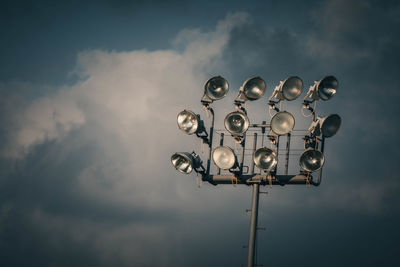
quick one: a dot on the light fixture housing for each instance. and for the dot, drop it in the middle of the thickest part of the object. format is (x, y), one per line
(289, 89)
(265, 159)
(224, 157)
(216, 88)
(324, 89)
(188, 122)
(185, 162)
(236, 123)
(282, 123)
(253, 88)
(311, 160)
(327, 126)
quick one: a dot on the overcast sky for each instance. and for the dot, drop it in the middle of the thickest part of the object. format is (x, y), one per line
(89, 93)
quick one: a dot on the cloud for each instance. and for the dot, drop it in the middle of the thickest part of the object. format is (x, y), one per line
(86, 178)
(127, 87)
(99, 149)
(48, 118)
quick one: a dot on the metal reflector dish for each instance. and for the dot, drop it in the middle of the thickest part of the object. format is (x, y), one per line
(312, 160)
(188, 121)
(265, 158)
(236, 123)
(183, 162)
(330, 125)
(292, 88)
(282, 123)
(254, 88)
(327, 87)
(216, 88)
(224, 157)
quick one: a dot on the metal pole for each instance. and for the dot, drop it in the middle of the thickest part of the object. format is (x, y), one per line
(221, 143)
(210, 142)
(254, 149)
(263, 136)
(253, 225)
(277, 153)
(243, 155)
(254, 212)
(287, 153)
(320, 171)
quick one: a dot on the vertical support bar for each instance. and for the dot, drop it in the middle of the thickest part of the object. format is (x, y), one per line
(287, 153)
(253, 225)
(210, 142)
(262, 136)
(254, 149)
(277, 153)
(322, 150)
(320, 171)
(221, 143)
(263, 133)
(243, 151)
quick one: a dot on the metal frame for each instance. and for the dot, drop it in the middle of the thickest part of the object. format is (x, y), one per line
(250, 178)
(255, 180)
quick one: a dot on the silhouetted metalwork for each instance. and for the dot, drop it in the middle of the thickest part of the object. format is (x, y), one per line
(265, 142)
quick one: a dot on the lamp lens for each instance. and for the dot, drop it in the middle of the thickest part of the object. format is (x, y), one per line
(327, 88)
(224, 157)
(282, 123)
(265, 158)
(254, 88)
(312, 160)
(182, 162)
(216, 88)
(188, 121)
(292, 88)
(330, 125)
(236, 122)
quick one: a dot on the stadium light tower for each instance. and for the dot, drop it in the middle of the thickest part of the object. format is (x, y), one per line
(237, 124)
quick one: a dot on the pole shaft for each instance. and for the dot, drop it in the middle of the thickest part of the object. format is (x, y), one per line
(243, 144)
(254, 149)
(320, 171)
(210, 142)
(277, 153)
(253, 226)
(287, 153)
(221, 143)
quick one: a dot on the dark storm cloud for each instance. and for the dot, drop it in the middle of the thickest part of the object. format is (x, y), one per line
(82, 194)
(358, 42)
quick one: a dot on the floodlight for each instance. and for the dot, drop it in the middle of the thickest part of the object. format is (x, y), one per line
(282, 123)
(224, 157)
(324, 89)
(327, 126)
(216, 88)
(185, 162)
(253, 88)
(236, 123)
(188, 121)
(265, 158)
(289, 89)
(330, 125)
(311, 160)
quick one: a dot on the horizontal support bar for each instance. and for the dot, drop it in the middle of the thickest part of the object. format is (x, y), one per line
(259, 125)
(258, 178)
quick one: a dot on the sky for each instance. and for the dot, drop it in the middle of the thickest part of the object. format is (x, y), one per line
(89, 93)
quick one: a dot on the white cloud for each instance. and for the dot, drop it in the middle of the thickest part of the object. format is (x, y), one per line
(121, 89)
(126, 103)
